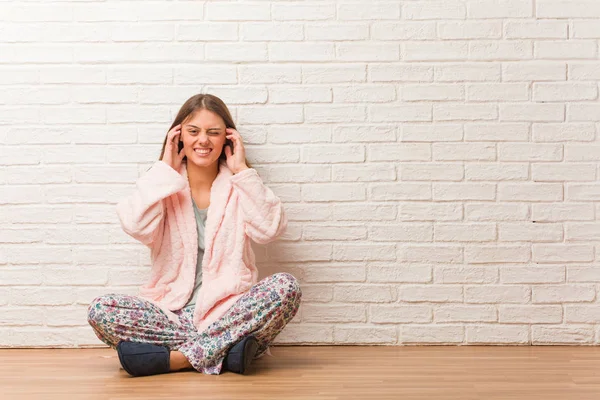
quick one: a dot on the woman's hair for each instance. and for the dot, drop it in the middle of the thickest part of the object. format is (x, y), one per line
(203, 102)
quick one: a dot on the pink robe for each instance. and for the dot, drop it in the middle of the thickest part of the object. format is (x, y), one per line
(159, 213)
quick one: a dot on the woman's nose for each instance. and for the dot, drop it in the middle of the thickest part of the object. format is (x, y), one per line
(203, 138)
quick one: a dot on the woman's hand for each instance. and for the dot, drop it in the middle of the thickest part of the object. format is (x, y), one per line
(236, 161)
(172, 156)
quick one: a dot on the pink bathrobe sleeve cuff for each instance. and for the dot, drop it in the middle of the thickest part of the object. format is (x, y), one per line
(263, 211)
(141, 214)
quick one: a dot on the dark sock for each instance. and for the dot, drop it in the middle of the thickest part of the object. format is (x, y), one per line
(140, 359)
(240, 355)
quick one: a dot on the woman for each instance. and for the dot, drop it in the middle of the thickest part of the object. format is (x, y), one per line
(196, 209)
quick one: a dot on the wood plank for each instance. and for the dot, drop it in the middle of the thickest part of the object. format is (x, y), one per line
(319, 372)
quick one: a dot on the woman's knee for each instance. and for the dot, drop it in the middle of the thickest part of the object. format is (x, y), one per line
(97, 309)
(289, 283)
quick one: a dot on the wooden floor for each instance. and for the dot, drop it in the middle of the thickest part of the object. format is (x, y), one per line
(318, 372)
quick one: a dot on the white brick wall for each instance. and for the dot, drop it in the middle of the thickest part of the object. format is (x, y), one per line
(438, 160)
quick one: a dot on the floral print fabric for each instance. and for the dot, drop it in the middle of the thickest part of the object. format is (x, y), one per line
(264, 310)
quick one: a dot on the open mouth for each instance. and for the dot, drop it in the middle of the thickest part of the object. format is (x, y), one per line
(202, 152)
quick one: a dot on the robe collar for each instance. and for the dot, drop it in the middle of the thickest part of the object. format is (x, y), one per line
(220, 192)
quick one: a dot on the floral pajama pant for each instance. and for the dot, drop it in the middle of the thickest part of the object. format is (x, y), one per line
(264, 310)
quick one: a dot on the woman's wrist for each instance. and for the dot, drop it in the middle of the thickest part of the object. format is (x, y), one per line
(245, 167)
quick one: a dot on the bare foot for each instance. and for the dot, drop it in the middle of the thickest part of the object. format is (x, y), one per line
(179, 362)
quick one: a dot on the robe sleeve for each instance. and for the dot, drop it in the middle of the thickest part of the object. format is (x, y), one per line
(264, 216)
(142, 213)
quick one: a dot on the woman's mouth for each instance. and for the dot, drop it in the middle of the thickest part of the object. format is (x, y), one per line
(202, 152)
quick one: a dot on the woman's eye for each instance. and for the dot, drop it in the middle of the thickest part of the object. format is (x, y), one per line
(210, 133)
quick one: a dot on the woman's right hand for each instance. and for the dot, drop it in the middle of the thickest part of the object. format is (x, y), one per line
(172, 156)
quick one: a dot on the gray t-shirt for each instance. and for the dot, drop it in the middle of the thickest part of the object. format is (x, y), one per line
(200, 214)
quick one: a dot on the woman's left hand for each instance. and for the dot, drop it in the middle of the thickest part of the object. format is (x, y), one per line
(236, 161)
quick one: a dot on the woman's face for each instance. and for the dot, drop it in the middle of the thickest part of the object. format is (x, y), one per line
(203, 130)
